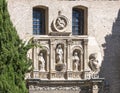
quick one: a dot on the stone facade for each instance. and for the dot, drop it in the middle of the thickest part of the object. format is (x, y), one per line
(102, 37)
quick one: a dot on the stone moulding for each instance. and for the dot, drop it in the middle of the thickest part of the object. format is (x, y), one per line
(66, 85)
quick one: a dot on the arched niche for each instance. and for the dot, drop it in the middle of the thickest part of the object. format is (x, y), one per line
(63, 45)
(59, 51)
(79, 51)
(45, 51)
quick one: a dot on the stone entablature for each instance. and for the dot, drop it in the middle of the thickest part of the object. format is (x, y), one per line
(63, 86)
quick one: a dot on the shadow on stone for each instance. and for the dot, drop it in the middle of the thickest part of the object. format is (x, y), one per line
(111, 62)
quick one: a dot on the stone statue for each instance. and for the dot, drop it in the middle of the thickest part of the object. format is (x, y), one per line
(94, 63)
(75, 61)
(59, 52)
(42, 62)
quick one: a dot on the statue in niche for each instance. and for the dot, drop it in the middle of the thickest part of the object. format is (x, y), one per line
(75, 61)
(59, 52)
(42, 62)
(94, 63)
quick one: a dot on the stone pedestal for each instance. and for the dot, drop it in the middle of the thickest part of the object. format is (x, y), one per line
(58, 75)
(43, 75)
(74, 75)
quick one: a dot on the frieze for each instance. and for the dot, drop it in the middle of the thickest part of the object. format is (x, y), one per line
(58, 75)
(47, 88)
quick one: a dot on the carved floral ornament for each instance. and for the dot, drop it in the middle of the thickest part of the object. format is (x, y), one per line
(60, 23)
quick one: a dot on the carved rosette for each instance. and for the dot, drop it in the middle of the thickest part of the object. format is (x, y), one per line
(60, 23)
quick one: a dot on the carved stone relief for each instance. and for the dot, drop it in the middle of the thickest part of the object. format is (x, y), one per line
(73, 88)
(58, 75)
(94, 66)
(94, 63)
(57, 57)
(60, 23)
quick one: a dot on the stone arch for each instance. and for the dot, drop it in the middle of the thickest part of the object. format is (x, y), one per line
(77, 48)
(40, 6)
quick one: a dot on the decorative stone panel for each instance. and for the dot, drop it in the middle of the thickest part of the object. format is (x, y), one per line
(59, 58)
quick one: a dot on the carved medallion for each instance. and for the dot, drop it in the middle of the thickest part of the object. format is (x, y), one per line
(60, 23)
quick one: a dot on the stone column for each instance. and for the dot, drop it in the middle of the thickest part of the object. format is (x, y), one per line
(48, 61)
(85, 68)
(85, 54)
(69, 63)
(35, 60)
(81, 62)
(69, 60)
(64, 57)
(52, 55)
(52, 59)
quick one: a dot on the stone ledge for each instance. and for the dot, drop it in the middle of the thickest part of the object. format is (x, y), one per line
(64, 82)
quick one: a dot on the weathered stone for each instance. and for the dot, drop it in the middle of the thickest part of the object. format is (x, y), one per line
(103, 36)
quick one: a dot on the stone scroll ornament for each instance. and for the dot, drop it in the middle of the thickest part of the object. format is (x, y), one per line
(60, 23)
(94, 63)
